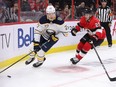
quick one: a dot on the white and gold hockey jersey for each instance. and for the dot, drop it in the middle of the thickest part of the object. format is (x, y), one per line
(46, 27)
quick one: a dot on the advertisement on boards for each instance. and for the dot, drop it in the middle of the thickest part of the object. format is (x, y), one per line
(113, 29)
(15, 39)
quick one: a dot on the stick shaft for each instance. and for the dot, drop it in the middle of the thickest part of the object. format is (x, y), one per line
(101, 62)
(15, 62)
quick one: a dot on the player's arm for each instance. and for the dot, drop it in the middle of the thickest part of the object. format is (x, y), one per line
(38, 32)
(62, 27)
(76, 29)
(63, 30)
(98, 31)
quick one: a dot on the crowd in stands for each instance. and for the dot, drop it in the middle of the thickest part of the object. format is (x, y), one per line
(8, 11)
(32, 10)
(63, 7)
(33, 5)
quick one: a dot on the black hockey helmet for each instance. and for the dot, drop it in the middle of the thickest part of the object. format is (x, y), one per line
(103, 0)
(88, 11)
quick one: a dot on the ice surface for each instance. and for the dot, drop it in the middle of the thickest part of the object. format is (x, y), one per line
(57, 71)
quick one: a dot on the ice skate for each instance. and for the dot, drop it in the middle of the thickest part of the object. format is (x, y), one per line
(74, 60)
(29, 61)
(39, 63)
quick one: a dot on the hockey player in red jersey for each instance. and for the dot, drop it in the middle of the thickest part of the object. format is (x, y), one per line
(95, 35)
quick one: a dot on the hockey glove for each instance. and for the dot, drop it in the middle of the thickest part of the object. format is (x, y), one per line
(94, 38)
(74, 31)
(54, 38)
(36, 46)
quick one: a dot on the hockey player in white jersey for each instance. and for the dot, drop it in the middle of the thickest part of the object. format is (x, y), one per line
(46, 35)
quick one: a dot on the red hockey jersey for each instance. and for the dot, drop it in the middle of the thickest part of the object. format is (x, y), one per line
(93, 24)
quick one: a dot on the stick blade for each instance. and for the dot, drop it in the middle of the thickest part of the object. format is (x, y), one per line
(113, 79)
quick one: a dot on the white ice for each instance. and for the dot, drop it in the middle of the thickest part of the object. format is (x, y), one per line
(57, 71)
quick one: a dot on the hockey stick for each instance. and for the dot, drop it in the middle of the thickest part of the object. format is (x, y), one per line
(15, 62)
(111, 79)
(21, 58)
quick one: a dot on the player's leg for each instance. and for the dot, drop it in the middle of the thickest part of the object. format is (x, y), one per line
(44, 48)
(80, 46)
(31, 56)
(40, 58)
(83, 40)
(87, 46)
(35, 46)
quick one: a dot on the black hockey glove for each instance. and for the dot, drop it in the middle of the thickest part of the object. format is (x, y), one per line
(74, 31)
(36, 46)
(94, 38)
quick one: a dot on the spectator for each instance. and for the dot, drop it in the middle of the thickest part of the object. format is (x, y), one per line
(78, 2)
(89, 2)
(92, 7)
(65, 13)
(80, 9)
(57, 7)
(25, 6)
(40, 5)
(8, 3)
(2, 13)
(12, 13)
(32, 5)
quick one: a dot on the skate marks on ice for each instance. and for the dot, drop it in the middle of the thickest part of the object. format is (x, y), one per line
(70, 69)
(58, 72)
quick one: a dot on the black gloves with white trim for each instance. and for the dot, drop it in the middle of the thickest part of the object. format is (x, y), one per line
(74, 31)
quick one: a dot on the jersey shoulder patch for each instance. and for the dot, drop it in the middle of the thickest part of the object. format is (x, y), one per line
(43, 20)
(59, 18)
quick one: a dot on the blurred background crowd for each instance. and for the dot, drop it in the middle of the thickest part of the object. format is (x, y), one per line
(32, 10)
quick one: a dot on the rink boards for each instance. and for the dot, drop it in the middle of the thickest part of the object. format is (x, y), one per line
(15, 40)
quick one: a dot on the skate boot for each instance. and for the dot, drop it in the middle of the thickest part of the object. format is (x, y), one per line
(74, 60)
(40, 62)
(31, 59)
